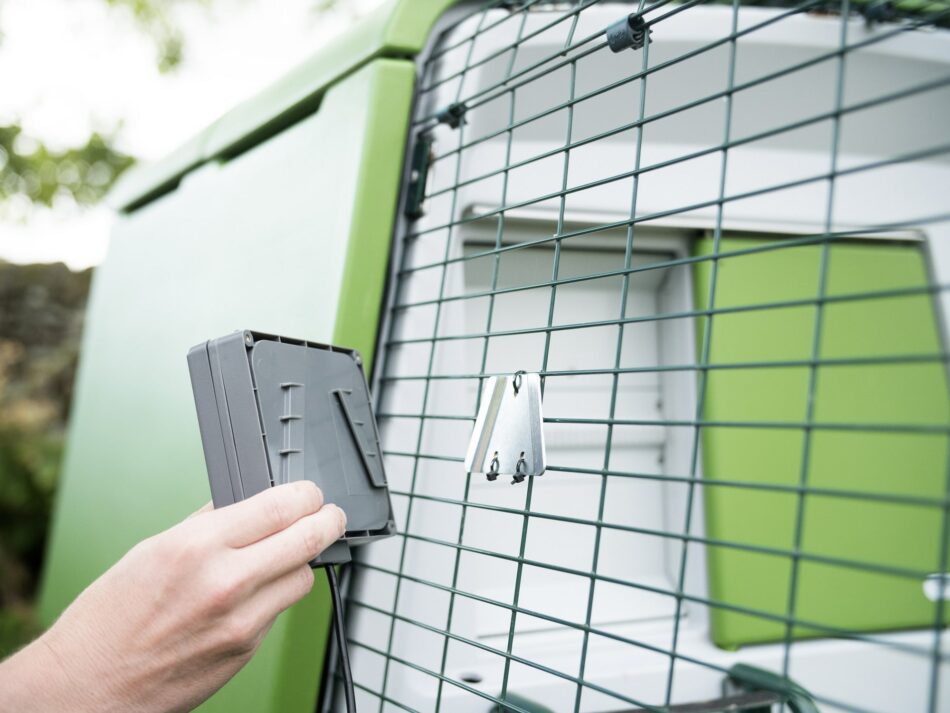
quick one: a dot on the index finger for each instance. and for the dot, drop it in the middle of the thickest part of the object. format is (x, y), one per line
(273, 510)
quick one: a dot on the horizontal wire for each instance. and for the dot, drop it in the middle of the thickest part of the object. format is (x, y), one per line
(908, 157)
(510, 707)
(850, 427)
(593, 576)
(709, 481)
(699, 153)
(494, 91)
(843, 706)
(562, 52)
(377, 694)
(763, 247)
(841, 236)
(445, 48)
(874, 567)
(763, 79)
(498, 652)
(508, 47)
(896, 428)
(507, 705)
(836, 632)
(680, 6)
(714, 482)
(726, 366)
(681, 314)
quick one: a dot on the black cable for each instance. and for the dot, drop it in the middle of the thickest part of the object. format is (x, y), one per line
(339, 628)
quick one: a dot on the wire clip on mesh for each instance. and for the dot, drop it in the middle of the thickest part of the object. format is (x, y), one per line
(419, 175)
(878, 11)
(514, 5)
(453, 115)
(508, 437)
(629, 33)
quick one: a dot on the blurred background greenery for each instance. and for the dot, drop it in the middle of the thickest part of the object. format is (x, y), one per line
(41, 314)
(41, 310)
(42, 305)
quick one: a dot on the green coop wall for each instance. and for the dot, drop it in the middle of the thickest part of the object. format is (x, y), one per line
(290, 237)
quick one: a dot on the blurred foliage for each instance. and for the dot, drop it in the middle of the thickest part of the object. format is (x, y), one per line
(41, 311)
(31, 170)
(154, 17)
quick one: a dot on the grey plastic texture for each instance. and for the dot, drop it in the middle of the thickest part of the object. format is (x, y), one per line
(629, 33)
(273, 410)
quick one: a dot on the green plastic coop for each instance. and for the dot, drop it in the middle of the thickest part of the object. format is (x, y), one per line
(720, 233)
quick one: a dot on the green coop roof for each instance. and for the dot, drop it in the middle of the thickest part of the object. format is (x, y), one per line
(399, 28)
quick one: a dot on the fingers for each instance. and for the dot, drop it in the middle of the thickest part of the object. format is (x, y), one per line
(293, 547)
(283, 592)
(249, 625)
(264, 514)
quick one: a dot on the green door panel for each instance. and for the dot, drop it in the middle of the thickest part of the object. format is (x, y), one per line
(291, 237)
(888, 462)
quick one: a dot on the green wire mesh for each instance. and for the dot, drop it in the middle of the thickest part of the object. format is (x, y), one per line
(737, 258)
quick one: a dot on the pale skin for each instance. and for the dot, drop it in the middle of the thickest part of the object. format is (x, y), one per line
(181, 613)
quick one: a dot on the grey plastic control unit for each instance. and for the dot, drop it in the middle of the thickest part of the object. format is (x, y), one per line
(273, 410)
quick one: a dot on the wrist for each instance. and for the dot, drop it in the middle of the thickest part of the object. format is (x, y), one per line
(33, 679)
(42, 677)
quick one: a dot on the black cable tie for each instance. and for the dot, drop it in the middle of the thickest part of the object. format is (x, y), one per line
(877, 12)
(419, 175)
(453, 115)
(631, 32)
(513, 5)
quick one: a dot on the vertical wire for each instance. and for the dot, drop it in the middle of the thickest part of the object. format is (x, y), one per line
(570, 37)
(703, 366)
(555, 269)
(813, 371)
(496, 260)
(942, 593)
(702, 377)
(943, 558)
(615, 380)
(428, 381)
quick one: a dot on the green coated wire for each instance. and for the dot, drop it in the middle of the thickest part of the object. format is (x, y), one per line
(618, 352)
(402, 555)
(907, 157)
(813, 372)
(871, 40)
(909, 15)
(864, 296)
(831, 631)
(499, 234)
(905, 93)
(703, 374)
(777, 244)
(568, 624)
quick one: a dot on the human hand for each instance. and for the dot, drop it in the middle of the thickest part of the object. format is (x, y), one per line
(180, 613)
